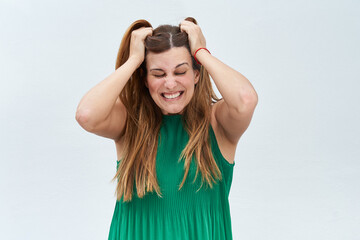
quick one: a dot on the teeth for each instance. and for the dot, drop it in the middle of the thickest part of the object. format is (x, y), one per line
(171, 95)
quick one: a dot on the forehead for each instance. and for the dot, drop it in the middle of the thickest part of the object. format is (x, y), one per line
(168, 59)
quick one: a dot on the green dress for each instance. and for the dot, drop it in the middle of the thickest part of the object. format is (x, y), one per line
(183, 214)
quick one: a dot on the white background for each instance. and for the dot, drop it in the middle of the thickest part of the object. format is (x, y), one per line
(297, 171)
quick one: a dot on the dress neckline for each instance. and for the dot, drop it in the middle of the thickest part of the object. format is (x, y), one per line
(172, 116)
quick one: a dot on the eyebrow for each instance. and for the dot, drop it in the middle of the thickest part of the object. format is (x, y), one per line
(159, 69)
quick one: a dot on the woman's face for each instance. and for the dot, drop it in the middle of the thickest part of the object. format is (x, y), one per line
(171, 79)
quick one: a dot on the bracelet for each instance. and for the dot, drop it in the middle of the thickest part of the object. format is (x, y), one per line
(197, 51)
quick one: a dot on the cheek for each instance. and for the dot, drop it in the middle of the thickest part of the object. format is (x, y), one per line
(153, 85)
(188, 81)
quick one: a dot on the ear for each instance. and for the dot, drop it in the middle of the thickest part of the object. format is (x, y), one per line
(197, 76)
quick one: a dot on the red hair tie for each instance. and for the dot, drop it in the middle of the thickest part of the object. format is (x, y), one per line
(197, 51)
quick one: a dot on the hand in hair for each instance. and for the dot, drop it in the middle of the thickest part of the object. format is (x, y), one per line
(195, 35)
(137, 45)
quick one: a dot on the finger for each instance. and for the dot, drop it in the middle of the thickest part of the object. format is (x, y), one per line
(181, 27)
(149, 33)
(188, 23)
(185, 23)
(184, 28)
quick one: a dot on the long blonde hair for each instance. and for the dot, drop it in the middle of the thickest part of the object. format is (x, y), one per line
(144, 119)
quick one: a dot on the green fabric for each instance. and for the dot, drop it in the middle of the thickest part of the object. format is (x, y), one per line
(183, 214)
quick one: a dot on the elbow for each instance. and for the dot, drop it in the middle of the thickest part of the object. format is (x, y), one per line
(80, 118)
(252, 98)
(83, 118)
(248, 101)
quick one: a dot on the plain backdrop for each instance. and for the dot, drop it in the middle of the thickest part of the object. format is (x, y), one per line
(297, 171)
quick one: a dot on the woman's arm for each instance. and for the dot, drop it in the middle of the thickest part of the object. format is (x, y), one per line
(233, 114)
(96, 105)
(101, 111)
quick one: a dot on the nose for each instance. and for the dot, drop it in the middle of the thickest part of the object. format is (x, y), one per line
(170, 82)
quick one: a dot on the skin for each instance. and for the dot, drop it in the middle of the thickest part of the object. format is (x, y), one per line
(171, 72)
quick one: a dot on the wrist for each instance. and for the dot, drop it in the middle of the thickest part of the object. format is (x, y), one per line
(134, 61)
(200, 52)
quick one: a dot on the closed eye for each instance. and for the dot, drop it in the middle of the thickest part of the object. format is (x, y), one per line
(180, 73)
(159, 76)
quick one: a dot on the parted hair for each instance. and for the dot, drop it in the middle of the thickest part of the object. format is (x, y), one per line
(144, 117)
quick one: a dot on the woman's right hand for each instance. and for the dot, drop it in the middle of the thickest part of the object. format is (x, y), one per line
(137, 43)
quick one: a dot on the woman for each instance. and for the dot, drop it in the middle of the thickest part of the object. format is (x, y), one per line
(169, 127)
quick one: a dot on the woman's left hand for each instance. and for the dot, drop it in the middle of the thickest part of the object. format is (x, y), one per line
(195, 35)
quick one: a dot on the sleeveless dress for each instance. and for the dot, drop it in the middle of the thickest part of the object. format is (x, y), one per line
(179, 215)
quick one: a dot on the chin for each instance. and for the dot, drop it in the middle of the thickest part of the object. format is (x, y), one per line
(172, 111)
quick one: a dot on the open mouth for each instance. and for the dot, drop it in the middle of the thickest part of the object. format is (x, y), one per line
(173, 95)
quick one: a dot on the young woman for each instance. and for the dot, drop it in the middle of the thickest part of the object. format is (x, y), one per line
(172, 134)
